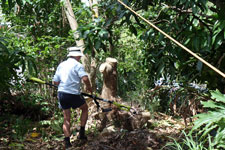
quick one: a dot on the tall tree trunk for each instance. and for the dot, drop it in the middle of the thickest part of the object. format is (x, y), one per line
(73, 22)
(93, 69)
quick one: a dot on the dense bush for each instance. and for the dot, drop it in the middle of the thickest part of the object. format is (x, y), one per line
(11, 60)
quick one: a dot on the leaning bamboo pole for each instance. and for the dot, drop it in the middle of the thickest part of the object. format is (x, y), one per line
(175, 41)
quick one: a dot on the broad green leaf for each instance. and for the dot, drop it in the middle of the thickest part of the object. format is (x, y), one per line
(211, 104)
(86, 33)
(97, 44)
(103, 34)
(208, 118)
(218, 96)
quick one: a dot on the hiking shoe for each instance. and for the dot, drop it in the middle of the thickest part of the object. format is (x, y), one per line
(82, 137)
(67, 145)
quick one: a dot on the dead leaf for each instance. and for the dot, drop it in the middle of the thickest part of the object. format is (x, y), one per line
(34, 134)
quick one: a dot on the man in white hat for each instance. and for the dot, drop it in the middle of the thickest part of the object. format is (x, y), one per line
(68, 77)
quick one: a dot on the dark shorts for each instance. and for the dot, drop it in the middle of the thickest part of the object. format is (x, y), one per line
(70, 100)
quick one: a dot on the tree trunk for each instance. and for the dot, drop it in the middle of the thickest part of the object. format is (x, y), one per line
(73, 23)
(109, 71)
(93, 68)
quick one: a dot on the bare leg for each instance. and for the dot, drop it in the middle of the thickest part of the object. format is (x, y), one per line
(84, 117)
(84, 114)
(66, 123)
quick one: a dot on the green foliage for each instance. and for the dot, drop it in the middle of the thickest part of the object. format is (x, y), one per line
(10, 61)
(132, 74)
(188, 143)
(201, 29)
(53, 125)
(215, 116)
(38, 29)
(18, 126)
(94, 35)
(35, 17)
(35, 100)
(196, 24)
(213, 120)
(46, 53)
(94, 31)
(27, 105)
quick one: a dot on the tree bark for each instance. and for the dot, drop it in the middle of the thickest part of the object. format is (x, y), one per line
(73, 22)
(93, 68)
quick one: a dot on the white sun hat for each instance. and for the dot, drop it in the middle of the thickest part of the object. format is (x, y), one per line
(74, 51)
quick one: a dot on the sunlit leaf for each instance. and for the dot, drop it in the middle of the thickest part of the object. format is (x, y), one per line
(211, 104)
(218, 96)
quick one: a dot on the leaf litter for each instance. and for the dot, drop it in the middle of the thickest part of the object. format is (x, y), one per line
(153, 135)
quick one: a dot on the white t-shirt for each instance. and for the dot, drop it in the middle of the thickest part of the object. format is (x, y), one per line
(69, 74)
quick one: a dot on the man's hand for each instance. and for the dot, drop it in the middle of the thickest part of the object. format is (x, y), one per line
(89, 89)
(55, 83)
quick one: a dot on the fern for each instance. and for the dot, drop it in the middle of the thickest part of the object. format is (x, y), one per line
(214, 119)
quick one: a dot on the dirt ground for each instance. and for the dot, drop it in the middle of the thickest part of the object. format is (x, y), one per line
(154, 137)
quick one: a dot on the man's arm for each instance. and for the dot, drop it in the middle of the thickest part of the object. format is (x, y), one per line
(86, 81)
(55, 83)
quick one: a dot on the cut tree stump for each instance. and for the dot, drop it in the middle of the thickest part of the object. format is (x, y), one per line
(109, 71)
(119, 118)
